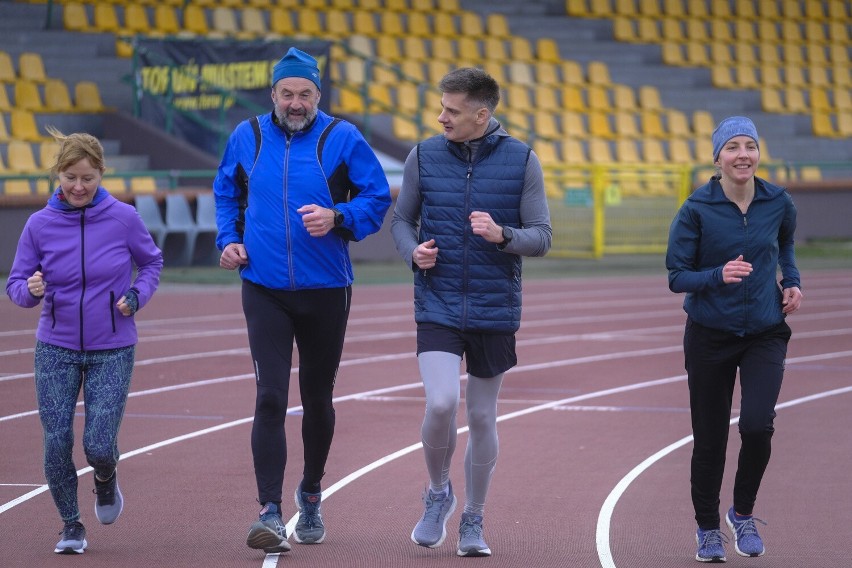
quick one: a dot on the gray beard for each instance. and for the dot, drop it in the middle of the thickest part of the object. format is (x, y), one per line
(295, 124)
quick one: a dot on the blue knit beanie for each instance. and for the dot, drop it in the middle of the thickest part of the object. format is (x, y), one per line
(296, 63)
(729, 128)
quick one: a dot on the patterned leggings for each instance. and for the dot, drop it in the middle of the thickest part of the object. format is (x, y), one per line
(104, 376)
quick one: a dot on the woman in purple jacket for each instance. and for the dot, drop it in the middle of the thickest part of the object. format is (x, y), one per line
(77, 256)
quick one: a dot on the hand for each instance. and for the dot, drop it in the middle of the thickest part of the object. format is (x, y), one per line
(36, 284)
(317, 220)
(124, 307)
(233, 255)
(735, 270)
(425, 256)
(791, 300)
(484, 226)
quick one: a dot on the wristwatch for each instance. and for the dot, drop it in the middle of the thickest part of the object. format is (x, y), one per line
(507, 237)
(338, 217)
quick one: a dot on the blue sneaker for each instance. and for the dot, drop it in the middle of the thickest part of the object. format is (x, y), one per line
(269, 533)
(309, 528)
(711, 545)
(746, 540)
(431, 529)
(109, 502)
(73, 539)
(471, 542)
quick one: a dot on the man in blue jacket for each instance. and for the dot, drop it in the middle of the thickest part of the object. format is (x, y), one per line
(293, 188)
(472, 204)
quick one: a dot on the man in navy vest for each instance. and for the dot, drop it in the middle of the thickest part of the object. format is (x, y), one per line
(472, 204)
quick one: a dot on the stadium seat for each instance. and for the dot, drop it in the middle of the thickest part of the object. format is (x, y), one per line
(253, 23)
(165, 20)
(17, 187)
(677, 124)
(496, 25)
(623, 98)
(57, 97)
(496, 49)
(770, 100)
(626, 151)
(136, 19)
(28, 96)
(652, 151)
(142, 184)
(21, 157)
(390, 24)
(546, 49)
(444, 25)
(75, 18)
(597, 98)
(625, 124)
(572, 125)
(280, 22)
(521, 73)
(599, 125)
(679, 151)
(205, 252)
(105, 18)
(418, 25)
(31, 67)
(87, 97)
(572, 99)
(649, 98)
(521, 49)
(414, 47)
(7, 68)
(471, 25)
(47, 152)
(545, 125)
(651, 124)
(600, 151)
(573, 152)
(821, 125)
(597, 73)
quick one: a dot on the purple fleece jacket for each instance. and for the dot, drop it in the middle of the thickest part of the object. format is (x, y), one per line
(87, 256)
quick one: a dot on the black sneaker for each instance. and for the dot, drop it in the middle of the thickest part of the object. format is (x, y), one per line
(110, 502)
(269, 533)
(73, 539)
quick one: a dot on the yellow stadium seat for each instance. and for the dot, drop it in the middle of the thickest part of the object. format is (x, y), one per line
(47, 153)
(545, 124)
(767, 53)
(387, 48)
(794, 76)
(142, 184)
(822, 126)
(447, 6)
(21, 157)
(436, 69)
(521, 73)
(745, 77)
(56, 96)
(31, 67)
(309, 22)
(697, 9)
(136, 19)
(195, 20)
(444, 24)
(623, 98)
(767, 31)
(573, 152)
(405, 128)
(648, 30)
(17, 187)
(652, 151)
(414, 47)
(626, 8)
(626, 151)
(253, 22)
(598, 73)
(496, 25)
(572, 125)
(7, 68)
(696, 54)
(165, 20)
(223, 23)
(679, 151)
(770, 100)
(468, 49)
(390, 23)
(625, 124)
(649, 98)
(471, 24)
(599, 125)
(770, 77)
(794, 100)
(496, 49)
(818, 77)
(546, 73)
(720, 53)
(521, 49)
(674, 8)
(768, 10)
(651, 124)
(572, 99)
(28, 96)
(518, 97)
(418, 25)
(75, 18)
(597, 98)
(720, 30)
(720, 76)
(600, 151)
(546, 152)
(844, 123)
(572, 73)
(622, 29)
(672, 53)
(842, 99)
(673, 30)
(87, 97)
(677, 124)
(546, 49)
(105, 18)
(838, 32)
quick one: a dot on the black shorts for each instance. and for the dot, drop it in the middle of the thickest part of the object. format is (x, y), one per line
(486, 354)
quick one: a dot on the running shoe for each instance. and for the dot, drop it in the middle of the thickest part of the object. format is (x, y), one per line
(746, 540)
(711, 545)
(269, 533)
(109, 502)
(431, 529)
(73, 539)
(309, 528)
(471, 542)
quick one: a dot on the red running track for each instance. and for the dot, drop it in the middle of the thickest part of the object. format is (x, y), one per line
(594, 432)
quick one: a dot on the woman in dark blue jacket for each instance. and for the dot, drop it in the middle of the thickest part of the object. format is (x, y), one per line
(725, 246)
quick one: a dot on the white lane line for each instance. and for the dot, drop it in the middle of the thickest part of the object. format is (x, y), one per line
(602, 533)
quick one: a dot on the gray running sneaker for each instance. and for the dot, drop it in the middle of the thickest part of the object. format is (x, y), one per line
(109, 502)
(431, 529)
(269, 533)
(471, 542)
(309, 528)
(73, 539)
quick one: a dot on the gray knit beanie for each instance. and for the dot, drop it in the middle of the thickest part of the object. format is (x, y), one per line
(729, 128)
